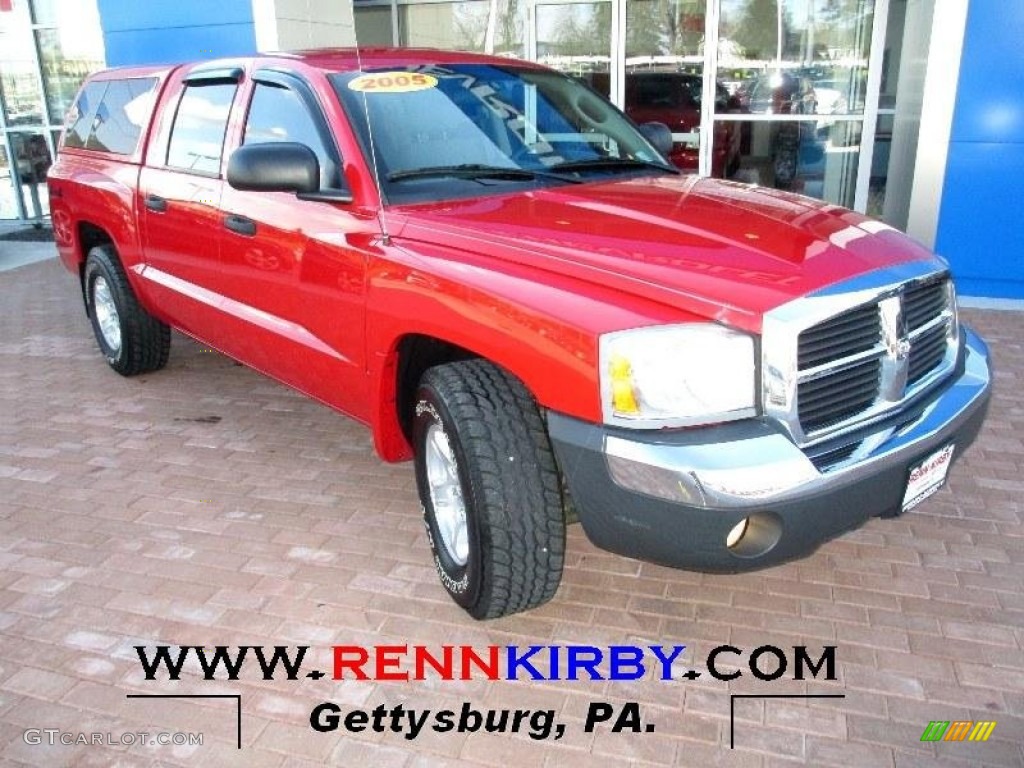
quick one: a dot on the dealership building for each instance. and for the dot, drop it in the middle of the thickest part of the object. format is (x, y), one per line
(911, 111)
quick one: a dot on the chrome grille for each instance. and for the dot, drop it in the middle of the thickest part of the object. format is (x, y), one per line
(921, 306)
(849, 333)
(857, 352)
(926, 353)
(839, 392)
(828, 460)
(838, 395)
(924, 302)
(851, 384)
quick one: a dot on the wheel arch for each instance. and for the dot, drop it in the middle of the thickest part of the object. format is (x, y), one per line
(410, 354)
(89, 236)
(408, 358)
(416, 353)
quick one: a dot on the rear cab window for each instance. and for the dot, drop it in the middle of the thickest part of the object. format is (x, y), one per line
(80, 116)
(110, 115)
(660, 92)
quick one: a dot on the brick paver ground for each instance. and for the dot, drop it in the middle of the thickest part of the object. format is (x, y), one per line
(207, 505)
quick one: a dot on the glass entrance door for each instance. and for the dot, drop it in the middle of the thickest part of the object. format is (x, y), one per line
(782, 93)
(578, 37)
(664, 75)
(802, 86)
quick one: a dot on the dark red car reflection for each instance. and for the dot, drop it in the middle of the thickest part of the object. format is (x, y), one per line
(674, 98)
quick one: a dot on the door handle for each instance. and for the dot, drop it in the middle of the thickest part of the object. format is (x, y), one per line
(156, 203)
(241, 225)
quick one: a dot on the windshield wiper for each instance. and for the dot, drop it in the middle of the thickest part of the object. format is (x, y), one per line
(477, 171)
(602, 163)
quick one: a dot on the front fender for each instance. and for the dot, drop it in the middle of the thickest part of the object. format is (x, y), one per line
(541, 327)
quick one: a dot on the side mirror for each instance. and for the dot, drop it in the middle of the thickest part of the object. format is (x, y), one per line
(659, 135)
(275, 167)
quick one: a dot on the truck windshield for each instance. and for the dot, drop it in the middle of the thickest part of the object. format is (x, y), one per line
(461, 130)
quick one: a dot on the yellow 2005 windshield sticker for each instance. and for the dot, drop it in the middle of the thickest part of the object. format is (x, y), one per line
(392, 82)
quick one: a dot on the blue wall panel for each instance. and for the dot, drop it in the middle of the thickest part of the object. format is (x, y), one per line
(980, 229)
(120, 15)
(186, 30)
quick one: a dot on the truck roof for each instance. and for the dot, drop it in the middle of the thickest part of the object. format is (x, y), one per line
(347, 59)
(117, 73)
(325, 59)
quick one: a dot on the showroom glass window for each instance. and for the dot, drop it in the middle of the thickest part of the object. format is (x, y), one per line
(665, 72)
(482, 26)
(799, 70)
(47, 48)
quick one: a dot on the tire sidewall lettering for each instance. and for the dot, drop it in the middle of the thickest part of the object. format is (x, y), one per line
(456, 580)
(94, 271)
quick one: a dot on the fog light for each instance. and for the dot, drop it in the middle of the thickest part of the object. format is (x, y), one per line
(737, 533)
(755, 536)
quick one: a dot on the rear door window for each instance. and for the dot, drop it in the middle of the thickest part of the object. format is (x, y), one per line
(197, 138)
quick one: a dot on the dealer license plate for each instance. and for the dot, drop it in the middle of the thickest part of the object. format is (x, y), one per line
(927, 477)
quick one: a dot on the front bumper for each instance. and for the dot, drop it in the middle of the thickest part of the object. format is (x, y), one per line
(672, 497)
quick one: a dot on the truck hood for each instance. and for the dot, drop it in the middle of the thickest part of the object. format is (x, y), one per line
(724, 251)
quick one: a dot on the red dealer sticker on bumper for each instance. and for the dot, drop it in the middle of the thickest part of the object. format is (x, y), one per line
(927, 477)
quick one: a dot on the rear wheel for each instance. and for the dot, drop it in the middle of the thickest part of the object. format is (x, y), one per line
(132, 340)
(489, 487)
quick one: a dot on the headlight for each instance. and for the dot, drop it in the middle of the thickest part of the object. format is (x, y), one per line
(677, 375)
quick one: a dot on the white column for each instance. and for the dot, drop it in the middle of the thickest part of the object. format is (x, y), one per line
(288, 25)
(937, 106)
(264, 17)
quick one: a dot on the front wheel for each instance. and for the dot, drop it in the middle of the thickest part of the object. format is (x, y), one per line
(489, 487)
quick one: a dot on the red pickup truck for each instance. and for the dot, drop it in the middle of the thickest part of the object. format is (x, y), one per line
(500, 274)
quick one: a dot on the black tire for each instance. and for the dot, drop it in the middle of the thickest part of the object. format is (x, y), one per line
(145, 342)
(509, 486)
